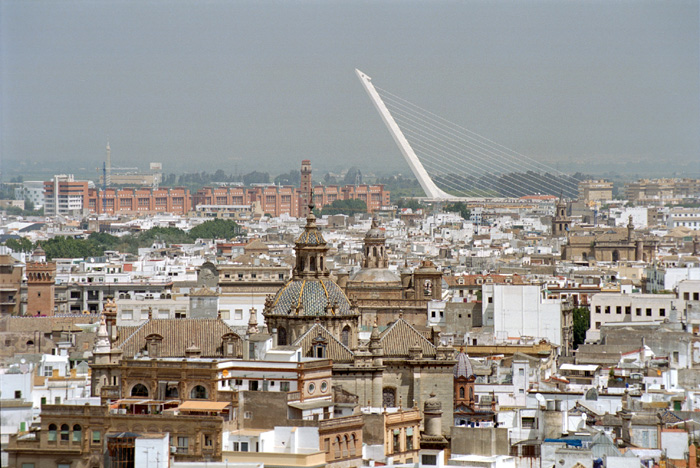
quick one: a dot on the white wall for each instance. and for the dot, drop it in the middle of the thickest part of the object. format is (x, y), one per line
(152, 452)
(519, 310)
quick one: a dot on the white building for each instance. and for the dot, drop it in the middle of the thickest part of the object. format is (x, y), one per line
(32, 190)
(521, 311)
(686, 217)
(620, 307)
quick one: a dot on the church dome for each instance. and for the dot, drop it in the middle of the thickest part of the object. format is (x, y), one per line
(312, 234)
(311, 297)
(375, 275)
(464, 367)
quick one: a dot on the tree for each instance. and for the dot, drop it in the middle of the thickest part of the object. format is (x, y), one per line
(459, 207)
(69, 247)
(256, 177)
(411, 203)
(291, 178)
(20, 245)
(582, 322)
(346, 207)
(353, 176)
(215, 229)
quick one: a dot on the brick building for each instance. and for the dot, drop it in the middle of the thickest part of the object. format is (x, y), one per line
(277, 200)
(143, 200)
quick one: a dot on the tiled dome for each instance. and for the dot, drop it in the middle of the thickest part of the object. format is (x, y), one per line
(310, 297)
(463, 368)
(312, 234)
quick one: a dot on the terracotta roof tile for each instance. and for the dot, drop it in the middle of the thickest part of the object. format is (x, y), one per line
(335, 350)
(178, 335)
(400, 336)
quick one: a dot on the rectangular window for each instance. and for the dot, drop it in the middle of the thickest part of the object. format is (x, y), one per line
(96, 437)
(18, 394)
(225, 314)
(430, 460)
(48, 371)
(696, 296)
(239, 382)
(244, 446)
(284, 386)
(686, 296)
(208, 441)
(597, 325)
(182, 444)
(662, 312)
(397, 441)
(238, 314)
(638, 311)
(597, 309)
(247, 415)
(628, 310)
(619, 309)
(607, 309)
(236, 447)
(27, 465)
(528, 423)
(648, 312)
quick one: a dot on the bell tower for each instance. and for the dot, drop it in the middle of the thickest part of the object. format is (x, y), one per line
(561, 221)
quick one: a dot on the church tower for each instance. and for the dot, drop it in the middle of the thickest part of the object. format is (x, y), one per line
(375, 248)
(41, 282)
(305, 189)
(561, 221)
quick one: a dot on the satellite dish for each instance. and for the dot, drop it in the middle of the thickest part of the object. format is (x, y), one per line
(540, 398)
(584, 416)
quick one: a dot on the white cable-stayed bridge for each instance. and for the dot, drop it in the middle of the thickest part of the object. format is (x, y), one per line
(452, 162)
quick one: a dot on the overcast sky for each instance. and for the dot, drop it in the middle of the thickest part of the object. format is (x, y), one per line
(244, 85)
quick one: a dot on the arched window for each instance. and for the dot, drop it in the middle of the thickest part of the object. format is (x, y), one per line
(337, 447)
(65, 432)
(139, 390)
(52, 432)
(281, 336)
(345, 335)
(171, 392)
(198, 393)
(345, 446)
(471, 394)
(313, 263)
(615, 256)
(374, 251)
(461, 393)
(77, 433)
(353, 444)
(389, 397)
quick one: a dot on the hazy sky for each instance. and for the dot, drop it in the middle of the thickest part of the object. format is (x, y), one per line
(243, 85)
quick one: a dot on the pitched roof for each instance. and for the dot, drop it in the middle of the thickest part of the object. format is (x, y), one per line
(400, 336)
(335, 350)
(178, 335)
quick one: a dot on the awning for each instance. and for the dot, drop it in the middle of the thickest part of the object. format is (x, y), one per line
(313, 404)
(192, 405)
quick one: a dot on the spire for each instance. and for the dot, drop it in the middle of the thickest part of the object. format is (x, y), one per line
(253, 322)
(102, 344)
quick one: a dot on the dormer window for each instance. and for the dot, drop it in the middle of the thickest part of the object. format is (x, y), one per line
(319, 347)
